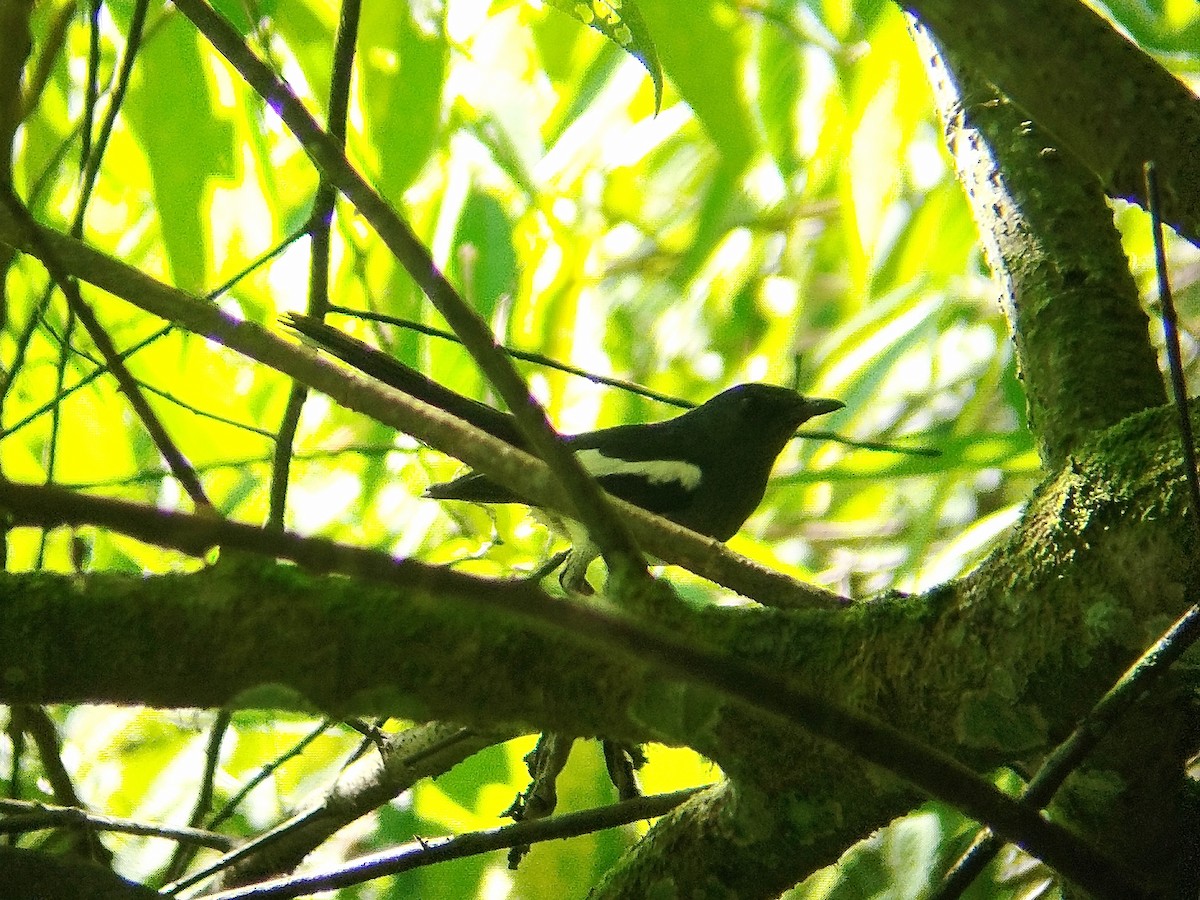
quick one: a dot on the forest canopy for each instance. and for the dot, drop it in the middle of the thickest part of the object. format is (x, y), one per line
(228, 605)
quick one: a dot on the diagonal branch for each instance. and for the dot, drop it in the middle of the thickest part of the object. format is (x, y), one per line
(17, 217)
(1082, 339)
(585, 500)
(437, 850)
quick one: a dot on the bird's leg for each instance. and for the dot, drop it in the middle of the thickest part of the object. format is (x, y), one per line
(622, 761)
(573, 576)
(545, 762)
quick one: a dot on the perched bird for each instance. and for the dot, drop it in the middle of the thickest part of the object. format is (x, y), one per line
(706, 469)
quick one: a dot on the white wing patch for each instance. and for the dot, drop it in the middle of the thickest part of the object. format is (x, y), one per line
(656, 471)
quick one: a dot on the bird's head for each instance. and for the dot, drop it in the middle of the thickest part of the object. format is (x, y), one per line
(766, 410)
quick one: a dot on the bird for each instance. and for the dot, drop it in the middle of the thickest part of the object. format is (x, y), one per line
(706, 469)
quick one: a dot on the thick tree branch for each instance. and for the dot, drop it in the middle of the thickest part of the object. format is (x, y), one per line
(1083, 342)
(933, 646)
(1056, 59)
(280, 670)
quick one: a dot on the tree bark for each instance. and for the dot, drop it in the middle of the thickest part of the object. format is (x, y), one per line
(1101, 98)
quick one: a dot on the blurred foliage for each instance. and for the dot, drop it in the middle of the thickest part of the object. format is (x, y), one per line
(790, 215)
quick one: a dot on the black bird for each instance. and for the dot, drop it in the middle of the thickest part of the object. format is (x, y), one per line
(706, 469)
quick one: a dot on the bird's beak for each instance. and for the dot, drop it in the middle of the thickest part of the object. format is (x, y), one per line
(819, 406)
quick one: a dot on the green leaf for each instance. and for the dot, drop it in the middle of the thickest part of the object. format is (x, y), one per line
(403, 63)
(621, 23)
(188, 141)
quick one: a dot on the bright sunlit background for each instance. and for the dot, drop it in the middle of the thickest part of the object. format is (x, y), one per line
(789, 215)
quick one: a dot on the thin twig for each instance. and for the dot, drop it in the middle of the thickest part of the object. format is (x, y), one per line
(523, 355)
(318, 269)
(427, 852)
(265, 257)
(51, 464)
(619, 383)
(92, 159)
(1174, 354)
(267, 771)
(102, 369)
(82, 383)
(178, 463)
(23, 815)
(184, 853)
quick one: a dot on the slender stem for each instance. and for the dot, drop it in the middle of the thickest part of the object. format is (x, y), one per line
(318, 269)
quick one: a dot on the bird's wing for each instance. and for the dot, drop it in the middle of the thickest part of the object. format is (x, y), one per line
(659, 485)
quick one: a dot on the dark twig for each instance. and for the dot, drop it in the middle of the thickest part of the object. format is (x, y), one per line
(36, 722)
(391, 371)
(81, 383)
(265, 257)
(619, 383)
(23, 816)
(267, 771)
(16, 740)
(436, 850)
(101, 369)
(318, 269)
(523, 355)
(53, 41)
(92, 86)
(38, 725)
(856, 444)
(153, 476)
(90, 158)
(186, 852)
(60, 373)
(1174, 353)
(94, 156)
